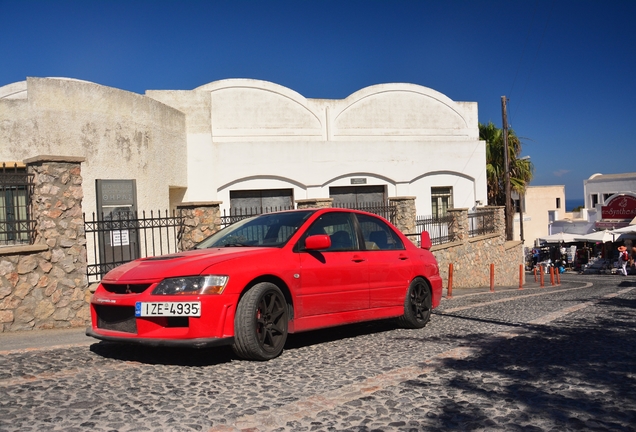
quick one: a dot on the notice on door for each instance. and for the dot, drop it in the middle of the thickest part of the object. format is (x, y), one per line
(119, 238)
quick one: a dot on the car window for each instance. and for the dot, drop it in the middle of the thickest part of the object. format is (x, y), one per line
(377, 234)
(340, 229)
(272, 229)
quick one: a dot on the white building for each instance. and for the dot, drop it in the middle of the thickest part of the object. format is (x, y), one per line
(253, 143)
(610, 203)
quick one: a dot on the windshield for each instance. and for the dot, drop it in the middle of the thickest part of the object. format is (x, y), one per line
(270, 230)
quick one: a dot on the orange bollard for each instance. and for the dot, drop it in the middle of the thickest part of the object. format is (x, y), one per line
(541, 276)
(552, 276)
(535, 273)
(449, 290)
(520, 276)
(492, 278)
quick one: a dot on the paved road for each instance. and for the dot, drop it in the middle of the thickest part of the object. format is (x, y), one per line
(540, 359)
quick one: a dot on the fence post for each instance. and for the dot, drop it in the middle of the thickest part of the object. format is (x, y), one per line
(551, 275)
(449, 290)
(201, 219)
(492, 278)
(314, 202)
(405, 214)
(541, 276)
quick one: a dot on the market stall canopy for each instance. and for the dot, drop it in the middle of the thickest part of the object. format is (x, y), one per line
(622, 234)
(625, 230)
(560, 238)
(598, 236)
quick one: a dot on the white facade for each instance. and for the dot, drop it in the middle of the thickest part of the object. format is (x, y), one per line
(248, 135)
(599, 188)
(601, 191)
(252, 135)
(542, 206)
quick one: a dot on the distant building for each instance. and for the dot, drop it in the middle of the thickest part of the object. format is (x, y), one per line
(542, 207)
(610, 199)
(610, 203)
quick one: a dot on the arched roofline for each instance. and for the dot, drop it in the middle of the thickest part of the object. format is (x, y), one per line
(376, 89)
(14, 90)
(261, 177)
(252, 83)
(444, 172)
(365, 174)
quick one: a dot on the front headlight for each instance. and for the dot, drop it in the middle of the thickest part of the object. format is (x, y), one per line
(211, 284)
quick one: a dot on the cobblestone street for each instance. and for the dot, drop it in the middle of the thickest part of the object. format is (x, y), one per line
(558, 358)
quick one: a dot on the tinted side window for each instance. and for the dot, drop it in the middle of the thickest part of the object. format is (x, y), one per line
(378, 235)
(339, 227)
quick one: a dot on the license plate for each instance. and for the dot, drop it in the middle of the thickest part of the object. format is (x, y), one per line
(167, 309)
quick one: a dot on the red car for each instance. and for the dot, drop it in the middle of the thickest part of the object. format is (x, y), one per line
(259, 279)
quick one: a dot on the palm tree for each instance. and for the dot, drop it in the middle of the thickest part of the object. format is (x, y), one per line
(521, 170)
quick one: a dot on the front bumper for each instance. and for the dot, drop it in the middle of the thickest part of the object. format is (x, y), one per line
(160, 342)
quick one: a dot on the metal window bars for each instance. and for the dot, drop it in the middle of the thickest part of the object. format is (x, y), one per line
(16, 211)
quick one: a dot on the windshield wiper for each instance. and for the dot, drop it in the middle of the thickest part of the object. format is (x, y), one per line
(236, 245)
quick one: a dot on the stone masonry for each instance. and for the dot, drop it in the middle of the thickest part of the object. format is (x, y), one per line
(201, 219)
(44, 285)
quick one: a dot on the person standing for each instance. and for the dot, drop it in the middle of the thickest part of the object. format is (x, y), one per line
(623, 258)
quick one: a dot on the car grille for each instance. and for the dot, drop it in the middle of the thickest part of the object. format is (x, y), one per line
(125, 288)
(118, 318)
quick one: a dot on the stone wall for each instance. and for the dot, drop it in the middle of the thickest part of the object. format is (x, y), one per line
(201, 220)
(44, 285)
(472, 256)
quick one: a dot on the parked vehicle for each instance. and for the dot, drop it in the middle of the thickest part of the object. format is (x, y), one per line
(252, 283)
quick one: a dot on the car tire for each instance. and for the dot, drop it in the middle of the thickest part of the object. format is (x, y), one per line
(417, 305)
(261, 323)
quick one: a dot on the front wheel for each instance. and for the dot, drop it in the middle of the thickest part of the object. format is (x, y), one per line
(260, 324)
(417, 305)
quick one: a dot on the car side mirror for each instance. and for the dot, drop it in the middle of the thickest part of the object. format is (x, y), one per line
(425, 240)
(317, 242)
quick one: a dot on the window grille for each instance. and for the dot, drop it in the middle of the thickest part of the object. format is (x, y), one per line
(441, 200)
(16, 189)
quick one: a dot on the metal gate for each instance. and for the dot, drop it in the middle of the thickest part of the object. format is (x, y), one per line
(121, 237)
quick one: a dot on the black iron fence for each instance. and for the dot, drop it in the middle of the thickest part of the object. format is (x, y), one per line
(437, 228)
(16, 190)
(481, 223)
(117, 238)
(387, 210)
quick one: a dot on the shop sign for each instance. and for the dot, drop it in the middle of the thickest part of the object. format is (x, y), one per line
(621, 207)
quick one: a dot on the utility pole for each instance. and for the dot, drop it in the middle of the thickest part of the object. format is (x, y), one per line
(506, 169)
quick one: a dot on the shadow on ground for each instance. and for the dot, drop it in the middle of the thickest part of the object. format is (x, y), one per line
(572, 374)
(224, 354)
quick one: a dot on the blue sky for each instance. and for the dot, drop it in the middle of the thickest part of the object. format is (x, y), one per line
(567, 66)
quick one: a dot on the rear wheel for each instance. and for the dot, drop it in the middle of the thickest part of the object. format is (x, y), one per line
(417, 305)
(260, 324)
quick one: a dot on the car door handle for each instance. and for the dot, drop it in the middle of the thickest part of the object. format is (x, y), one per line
(357, 258)
(403, 257)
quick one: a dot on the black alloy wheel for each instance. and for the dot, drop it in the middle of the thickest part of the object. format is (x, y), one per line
(417, 305)
(261, 322)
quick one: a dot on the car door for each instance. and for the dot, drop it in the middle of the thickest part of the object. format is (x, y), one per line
(390, 265)
(336, 279)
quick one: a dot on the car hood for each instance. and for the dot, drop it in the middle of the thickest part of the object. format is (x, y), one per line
(187, 263)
